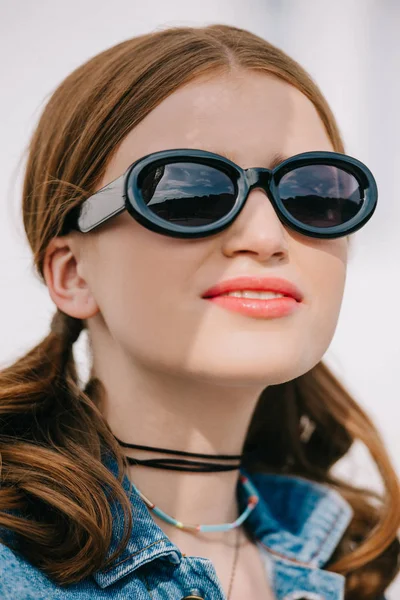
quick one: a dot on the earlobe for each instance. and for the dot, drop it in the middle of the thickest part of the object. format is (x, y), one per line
(68, 290)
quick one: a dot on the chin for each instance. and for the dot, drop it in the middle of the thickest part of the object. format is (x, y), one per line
(244, 369)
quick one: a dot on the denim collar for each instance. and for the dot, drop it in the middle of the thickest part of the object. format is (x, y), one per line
(296, 519)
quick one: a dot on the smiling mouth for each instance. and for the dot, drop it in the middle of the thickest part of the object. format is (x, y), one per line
(257, 307)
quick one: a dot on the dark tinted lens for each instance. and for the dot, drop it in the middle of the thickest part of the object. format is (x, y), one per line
(321, 195)
(187, 193)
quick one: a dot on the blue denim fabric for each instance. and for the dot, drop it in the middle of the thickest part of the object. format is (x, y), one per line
(297, 525)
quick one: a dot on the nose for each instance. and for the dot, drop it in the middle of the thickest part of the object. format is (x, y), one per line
(257, 228)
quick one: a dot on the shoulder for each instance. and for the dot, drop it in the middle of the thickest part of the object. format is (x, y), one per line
(299, 518)
(295, 500)
(19, 580)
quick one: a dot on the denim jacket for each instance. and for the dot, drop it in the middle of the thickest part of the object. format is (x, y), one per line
(297, 525)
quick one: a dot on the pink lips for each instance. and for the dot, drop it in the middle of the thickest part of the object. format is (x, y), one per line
(267, 284)
(263, 308)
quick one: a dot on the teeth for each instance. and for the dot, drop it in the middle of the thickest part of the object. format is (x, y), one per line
(254, 294)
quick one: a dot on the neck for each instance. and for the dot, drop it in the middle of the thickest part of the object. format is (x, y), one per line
(168, 410)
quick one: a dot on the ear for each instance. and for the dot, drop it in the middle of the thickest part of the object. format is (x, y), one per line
(68, 290)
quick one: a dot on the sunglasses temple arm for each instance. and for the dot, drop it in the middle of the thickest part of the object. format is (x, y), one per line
(104, 204)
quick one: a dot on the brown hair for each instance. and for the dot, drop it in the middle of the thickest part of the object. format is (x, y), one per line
(55, 492)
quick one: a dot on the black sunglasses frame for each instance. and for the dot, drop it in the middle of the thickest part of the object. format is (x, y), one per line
(124, 194)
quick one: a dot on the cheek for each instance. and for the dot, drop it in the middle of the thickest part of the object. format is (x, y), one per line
(326, 275)
(141, 290)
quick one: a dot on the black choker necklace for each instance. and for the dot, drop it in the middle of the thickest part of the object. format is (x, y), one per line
(172, 464)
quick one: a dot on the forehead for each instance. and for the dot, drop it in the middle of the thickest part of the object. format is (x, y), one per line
(248, 117)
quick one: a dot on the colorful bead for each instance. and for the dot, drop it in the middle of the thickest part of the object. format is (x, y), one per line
(252, 501)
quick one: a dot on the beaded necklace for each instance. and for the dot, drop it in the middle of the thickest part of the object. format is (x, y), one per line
(251, 504)
(189, 465)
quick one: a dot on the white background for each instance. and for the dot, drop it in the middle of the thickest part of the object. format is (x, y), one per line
(350, 47)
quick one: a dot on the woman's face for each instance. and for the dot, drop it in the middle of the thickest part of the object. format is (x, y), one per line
(148, 287)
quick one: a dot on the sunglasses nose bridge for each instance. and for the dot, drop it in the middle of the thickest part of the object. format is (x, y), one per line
(258, 178)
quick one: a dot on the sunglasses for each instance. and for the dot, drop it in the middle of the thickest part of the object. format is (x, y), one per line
(188, 193)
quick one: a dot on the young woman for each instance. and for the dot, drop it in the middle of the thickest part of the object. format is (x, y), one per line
(189, 203)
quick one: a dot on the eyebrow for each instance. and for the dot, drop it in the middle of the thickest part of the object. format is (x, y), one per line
(276, 160)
